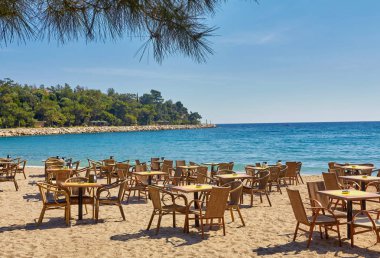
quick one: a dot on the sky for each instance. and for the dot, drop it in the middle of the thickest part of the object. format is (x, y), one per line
(276, 61)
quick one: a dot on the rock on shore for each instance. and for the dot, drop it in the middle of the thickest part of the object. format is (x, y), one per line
(95, 129)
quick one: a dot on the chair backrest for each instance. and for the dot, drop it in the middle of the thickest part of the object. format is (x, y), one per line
(192, 163)
(274, 173)
(313, 188)
(201, 175)
(258, 164)
(137, 162)
(75, 165)
(338, 172)
(217, 202)
(283, 169)
(62, 175)
(155, 196)
(180, 163)
(141, 168)
(292, 169)
(331, 181)
(165, 168)
(123, 168)
(249, 171)
(236, 192)
(297, 205)
(224, 172)
(154, 164)
(331, 164)
(263, 179)
(299, 166)
(22, 164)
(154, 159)
(109, 162)
(223, 166)
(168, 162)
(231, 167)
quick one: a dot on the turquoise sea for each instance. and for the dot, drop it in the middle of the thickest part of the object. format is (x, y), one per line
(315, 144)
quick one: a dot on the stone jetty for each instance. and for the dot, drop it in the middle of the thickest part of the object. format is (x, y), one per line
(96, 129)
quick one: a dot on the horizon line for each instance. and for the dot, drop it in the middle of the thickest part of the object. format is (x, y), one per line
(301, 122)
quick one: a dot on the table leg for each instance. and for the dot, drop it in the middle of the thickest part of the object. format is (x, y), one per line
(149, 180)
(362, 186)
(80, 203)
(363, 205)
(349, 218)
(188, 176)
(196, 206)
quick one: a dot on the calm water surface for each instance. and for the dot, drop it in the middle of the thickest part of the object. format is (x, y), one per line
(314, 144)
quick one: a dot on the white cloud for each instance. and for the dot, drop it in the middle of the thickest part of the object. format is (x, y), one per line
(255, 38)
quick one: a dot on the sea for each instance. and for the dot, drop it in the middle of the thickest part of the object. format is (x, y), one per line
(314, 144)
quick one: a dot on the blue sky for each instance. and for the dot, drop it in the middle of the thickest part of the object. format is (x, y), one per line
(277, 61)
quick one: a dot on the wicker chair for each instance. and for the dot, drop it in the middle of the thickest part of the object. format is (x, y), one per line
(123, 168)
(8, 174)
(213, 209)
(88, 196)
(291, 172)
(299, 166)
(160, 206)
(154, 164)
(322, 201)
(168, 162)
(234, 199)
(108, 198)
(53, 198)
(258, 186)
(20, 169)
(317, 219)
(180, 163)
(59, 176)
(231, 167)
(274, 178)
(364, 221)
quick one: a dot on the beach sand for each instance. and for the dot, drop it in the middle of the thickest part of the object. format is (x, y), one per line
(268, 231)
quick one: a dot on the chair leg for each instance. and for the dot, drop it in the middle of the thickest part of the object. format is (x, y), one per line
(97, 211)
(338, 231)
(241, 217)
(352, 235)
(158, 223)
(16, 185)
(295, 233)
(310, 234)
(232, 215)
(24, 174)
(203, 233)
(121, 211)
(224, 226)
(270, 204)
(41, 215)
(151, 219)
(173, 219)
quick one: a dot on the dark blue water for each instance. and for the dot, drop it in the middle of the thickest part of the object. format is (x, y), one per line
(315, 144)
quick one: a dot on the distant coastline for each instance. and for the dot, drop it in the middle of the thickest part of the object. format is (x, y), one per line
(10, 132)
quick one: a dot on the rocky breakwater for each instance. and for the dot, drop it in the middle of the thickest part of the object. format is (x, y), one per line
(96, 129)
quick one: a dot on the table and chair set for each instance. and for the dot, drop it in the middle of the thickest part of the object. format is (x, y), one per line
(200, 194)
(343, 186)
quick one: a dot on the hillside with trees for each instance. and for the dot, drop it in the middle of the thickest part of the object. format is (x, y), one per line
(26, 105)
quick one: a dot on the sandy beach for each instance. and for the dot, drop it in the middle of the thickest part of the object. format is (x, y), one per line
(268, 231)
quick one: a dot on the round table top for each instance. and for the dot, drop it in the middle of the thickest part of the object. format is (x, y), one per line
(211, 163)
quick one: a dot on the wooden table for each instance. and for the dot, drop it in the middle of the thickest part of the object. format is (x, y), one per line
(150, 174)
(212, 164)
(193, 189)
(80, 186)
(363, 180)
(188, 168)
(234, 176)
(357, 167)
(353, 195)
(259, 168)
